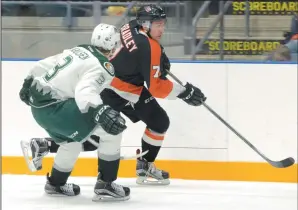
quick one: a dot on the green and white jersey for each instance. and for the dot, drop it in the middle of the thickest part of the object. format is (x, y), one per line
(80, 73)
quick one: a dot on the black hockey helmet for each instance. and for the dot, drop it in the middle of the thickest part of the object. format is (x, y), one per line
(150, 13)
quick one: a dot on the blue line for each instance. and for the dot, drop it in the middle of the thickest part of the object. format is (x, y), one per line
(233, 61)
(179, 61)
(20, 59)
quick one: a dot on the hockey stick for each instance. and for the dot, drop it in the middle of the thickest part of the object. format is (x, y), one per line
(121, 157)
(25, 146)
(278, 164)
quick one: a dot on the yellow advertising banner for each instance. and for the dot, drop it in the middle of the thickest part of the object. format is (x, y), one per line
(239, 46)
(265, 7)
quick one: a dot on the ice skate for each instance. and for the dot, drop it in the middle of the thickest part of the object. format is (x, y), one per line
(110, 191)
(67, 189)
(148, 174)
(39, 148)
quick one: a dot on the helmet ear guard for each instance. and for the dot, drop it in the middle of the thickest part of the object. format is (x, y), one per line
(145, 24)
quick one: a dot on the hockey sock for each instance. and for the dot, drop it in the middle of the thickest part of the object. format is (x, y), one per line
(152, 142)
(152, 151)
(58, 178)
(108, 169)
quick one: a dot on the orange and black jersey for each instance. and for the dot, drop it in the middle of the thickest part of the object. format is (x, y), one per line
(137, 63)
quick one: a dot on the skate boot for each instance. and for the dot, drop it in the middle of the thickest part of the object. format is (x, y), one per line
(67, 189)
(39, 148)
(110, 191)
(148, 174)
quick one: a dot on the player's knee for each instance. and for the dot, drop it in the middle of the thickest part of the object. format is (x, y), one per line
(67, 155)
(160, 122)
(109, 147)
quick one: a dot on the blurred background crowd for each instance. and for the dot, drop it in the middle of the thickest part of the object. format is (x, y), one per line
(196, 30)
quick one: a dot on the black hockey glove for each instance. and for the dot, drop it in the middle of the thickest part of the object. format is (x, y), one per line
(24, 92)
(110, 120)
(192, 95)
(165, 65)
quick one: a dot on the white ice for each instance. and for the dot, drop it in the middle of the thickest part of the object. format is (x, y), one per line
(26, 193)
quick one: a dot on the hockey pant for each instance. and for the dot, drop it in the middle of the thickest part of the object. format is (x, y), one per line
(69, 128)
(147, 110)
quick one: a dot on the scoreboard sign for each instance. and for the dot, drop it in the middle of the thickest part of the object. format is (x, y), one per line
(239, 46)
(265, 7)
(258, 7)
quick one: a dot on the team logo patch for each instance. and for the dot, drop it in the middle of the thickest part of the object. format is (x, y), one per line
(109, 67)
(147, 8)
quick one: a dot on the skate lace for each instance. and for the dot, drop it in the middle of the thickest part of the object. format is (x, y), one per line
(67, 188)
(43, 153)
(117, 187)
(153, 170)
(38, 157)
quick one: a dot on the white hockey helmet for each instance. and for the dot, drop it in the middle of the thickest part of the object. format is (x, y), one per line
(105, 36)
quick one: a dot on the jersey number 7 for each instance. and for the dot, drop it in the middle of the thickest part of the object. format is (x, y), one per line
(157, 70)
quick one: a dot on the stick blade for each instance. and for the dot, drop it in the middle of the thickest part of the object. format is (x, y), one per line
(283, 163)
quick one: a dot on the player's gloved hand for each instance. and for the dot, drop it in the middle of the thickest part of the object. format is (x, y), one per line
(165, 65)
(110, 120)
(24, 92)
(192, 95)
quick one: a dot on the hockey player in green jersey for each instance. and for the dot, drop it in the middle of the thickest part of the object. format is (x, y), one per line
(64, 94)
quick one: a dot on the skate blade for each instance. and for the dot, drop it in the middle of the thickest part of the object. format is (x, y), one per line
(25, 146)
(152, 181)
(106, 198)
(55, 194)
(50, 194)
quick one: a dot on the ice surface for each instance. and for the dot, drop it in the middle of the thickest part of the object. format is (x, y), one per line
(26, 193)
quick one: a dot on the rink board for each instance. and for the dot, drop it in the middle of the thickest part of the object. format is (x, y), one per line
(193, 170)
(259, 100)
